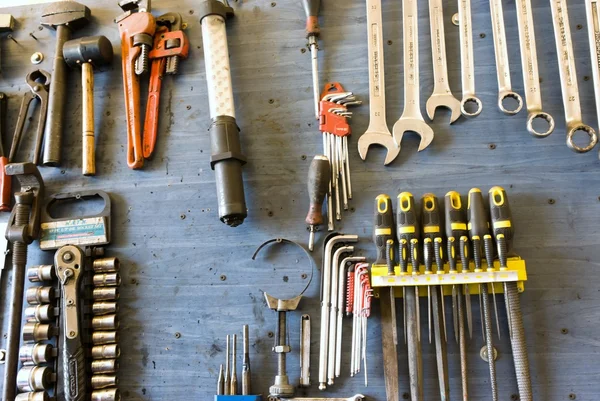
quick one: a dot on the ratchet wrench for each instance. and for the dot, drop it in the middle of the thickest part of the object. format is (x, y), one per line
(531, 75)
(592, 10)
(502, 67)
(377, 132)
(470, 105)
(568, 78)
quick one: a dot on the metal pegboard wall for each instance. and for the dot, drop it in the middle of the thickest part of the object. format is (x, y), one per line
(175, 307)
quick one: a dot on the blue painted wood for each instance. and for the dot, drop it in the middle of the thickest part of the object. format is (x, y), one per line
(175, 252)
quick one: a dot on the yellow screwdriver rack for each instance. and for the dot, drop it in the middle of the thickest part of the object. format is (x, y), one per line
(516, 271)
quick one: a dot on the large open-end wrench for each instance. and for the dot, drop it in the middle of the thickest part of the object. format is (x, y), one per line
(442, 95)
(467, 61)
(568, 78)
(377, 132)
(592, 9)
(502, 66)
(411, 119)
(531, 75)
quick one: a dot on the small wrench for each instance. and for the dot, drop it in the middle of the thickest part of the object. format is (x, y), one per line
(377, 132)
(568, 78)
(442, 95)
(467, 62)
(356, 397)
(502, 66)
(411, 119)
(531, 75)
(592, 9)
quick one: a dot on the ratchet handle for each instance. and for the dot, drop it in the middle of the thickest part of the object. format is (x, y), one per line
(73, 369)
(383, 229)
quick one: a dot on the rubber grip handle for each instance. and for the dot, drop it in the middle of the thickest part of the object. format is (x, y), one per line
(383, 229)
(74, 378)
(153, 107)
(88, 151)
(319, 174)
(477, 214)
(5, 186)
(311, 8)
(501, 215)
(407, 218)
(455, 215)
(431, 217)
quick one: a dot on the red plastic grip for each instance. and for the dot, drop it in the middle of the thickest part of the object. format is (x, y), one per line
(5, 186)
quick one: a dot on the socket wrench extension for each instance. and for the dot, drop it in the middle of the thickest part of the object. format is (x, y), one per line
(502, 64)
(568, 78)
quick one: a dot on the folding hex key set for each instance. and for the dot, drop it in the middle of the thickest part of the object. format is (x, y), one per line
(469, 236)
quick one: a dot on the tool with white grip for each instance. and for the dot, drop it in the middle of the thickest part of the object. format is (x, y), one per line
(568, 78)
(467, 62)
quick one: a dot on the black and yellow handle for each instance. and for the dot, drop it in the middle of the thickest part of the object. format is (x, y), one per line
(456, 225)
(383, 226)
(431, 227)
(478, 224)
(407, 228)
(501, 216)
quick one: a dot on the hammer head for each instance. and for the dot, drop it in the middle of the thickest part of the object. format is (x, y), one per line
(7, 23)
(69, 13)
(96, 50)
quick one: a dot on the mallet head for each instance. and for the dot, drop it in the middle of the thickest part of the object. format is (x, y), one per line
(96, 50)
(69, 13)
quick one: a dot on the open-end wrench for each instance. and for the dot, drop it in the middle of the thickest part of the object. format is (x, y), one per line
(411, 119)
(502, 66)
(377, 132)
(568, 78)
(592, 9)
(531, 75)
(442, 95)
(467, 61)
(356, 397)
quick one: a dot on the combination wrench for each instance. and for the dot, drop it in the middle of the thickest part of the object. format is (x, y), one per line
(377, 132)
(592, 10)
(531, 75)
(470, 105)
(411, 119)
(502, 65)
(356, 397)
(568, 78)
(442, 95)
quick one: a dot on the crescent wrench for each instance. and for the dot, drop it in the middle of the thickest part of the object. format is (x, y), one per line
(467, 63)
(377, 132)
(411, 119)
(442, 95)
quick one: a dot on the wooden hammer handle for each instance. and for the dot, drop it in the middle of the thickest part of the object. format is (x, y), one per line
(88, 145)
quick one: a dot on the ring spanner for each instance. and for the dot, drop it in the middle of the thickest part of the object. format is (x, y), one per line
(467, 63)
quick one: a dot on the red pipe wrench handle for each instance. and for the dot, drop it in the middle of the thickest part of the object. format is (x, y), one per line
(5, 186)
(152, 107)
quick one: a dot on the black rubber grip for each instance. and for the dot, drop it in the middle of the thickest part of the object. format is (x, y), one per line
(501, 215)
(455, 216)
(431, 217)
(407, 218)
(383, 226)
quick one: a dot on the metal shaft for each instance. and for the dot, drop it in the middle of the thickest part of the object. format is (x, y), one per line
(441, 356)
(246, 386)
(314, 51)
(234, 381)
(462, 343)
(489, 341)
(227, 379)
(517, 342)
(220, 381)
(415, 366)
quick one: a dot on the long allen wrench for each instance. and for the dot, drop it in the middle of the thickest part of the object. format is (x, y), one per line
(442, 95)
(531, 75)
(470, 105)
(502, 65)
(411, 119)
(568, 78)
(377, 132)
(592, 10)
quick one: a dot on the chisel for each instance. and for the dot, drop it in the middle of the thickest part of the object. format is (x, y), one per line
(311, 8)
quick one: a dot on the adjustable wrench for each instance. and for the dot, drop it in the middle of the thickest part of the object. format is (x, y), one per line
(502, 66)
(592, 10)
(531, 76)
(442, 95)
(377, 132)
(357, 397)
(411, 119)
(467, 63)
(568, 78)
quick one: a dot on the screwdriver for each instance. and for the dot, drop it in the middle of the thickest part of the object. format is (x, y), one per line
(431, 225)
(246, 386)
(478, 229)
(383, 237)
(503, 232)
(455, 227)
(408, 237)
(4, 179)
(318, 182)
(311, 8)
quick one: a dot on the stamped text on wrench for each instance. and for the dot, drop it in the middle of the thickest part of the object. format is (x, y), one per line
(467, 62)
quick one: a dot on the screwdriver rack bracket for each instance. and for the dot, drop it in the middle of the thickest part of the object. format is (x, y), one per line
(516, 272)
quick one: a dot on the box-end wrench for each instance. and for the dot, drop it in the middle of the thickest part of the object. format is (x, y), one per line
(470, 105)
(502, 65)
(442, 95)
(568, 78)
(411, 119)
(377, 132)
(592, 9)
(531, 75)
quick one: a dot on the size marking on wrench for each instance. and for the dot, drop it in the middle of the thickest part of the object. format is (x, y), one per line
(502, 65)
(568, 78)
(377, 132)
(531, 75)
(467, 62)
(411, 119)
(592, 9)
(442, 95)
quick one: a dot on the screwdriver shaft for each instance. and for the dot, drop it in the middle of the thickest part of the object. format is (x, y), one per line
(314, 52)
(234, 382)
(246, 386)
(227, 382)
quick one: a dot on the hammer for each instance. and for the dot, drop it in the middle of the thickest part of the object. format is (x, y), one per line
(88, 52)
(64, 17)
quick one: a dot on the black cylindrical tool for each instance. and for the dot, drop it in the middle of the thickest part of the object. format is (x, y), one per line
(319, 173)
